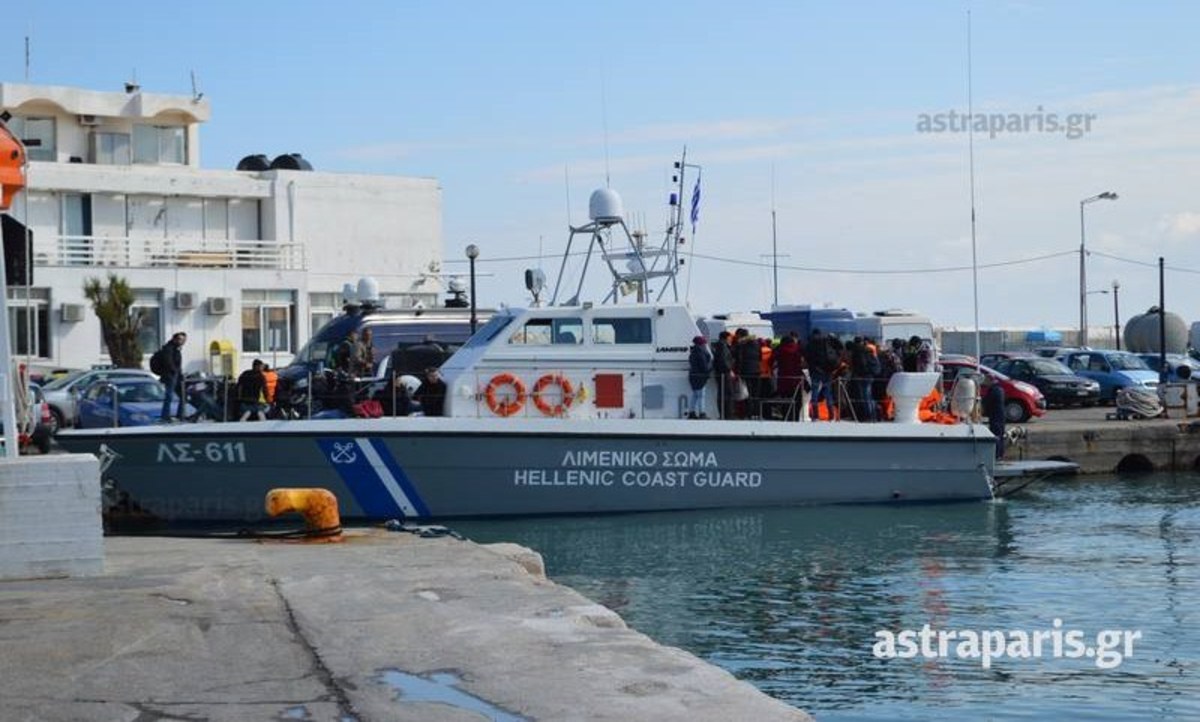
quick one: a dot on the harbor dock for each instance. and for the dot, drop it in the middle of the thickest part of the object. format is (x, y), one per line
(1104, 446)
(384, 626)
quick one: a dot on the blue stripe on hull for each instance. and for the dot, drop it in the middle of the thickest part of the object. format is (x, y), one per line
(401, 478)
(355, 470)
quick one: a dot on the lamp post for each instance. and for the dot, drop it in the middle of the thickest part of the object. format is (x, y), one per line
(1105, 196)
(1117, 312)
(472, 254)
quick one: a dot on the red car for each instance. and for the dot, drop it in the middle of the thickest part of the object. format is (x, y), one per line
(1022, 401)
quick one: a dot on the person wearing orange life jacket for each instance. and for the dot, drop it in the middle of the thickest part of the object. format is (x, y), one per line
(270, 381)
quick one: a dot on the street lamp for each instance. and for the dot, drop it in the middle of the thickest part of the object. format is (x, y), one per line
(1117, 312)
(472, 254)
(1105, 196)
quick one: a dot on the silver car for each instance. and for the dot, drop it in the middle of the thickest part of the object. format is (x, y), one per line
(61, 393)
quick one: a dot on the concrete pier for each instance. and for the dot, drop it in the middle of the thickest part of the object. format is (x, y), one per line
(1103, 446)
(385, 626)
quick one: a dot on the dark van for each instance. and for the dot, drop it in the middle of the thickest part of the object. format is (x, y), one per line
(448, 327)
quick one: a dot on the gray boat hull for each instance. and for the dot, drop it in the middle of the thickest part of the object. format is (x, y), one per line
(425, 468)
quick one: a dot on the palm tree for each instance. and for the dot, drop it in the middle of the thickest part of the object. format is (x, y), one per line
(119, 320)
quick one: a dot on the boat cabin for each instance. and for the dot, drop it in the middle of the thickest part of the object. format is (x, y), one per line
(576, 362)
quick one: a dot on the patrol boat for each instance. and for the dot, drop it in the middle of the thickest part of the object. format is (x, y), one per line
(557, 409)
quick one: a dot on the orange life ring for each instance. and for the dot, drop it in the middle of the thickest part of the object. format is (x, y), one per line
(505, 406)
(568, 394)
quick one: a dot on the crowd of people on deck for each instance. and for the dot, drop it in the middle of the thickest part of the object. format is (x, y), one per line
(818, 378)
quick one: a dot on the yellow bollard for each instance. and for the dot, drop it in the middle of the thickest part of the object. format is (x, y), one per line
(319, 507)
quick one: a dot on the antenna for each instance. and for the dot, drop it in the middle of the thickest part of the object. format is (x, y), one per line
(971, 163)
(26, 58)
(774, 239)
(604, 122)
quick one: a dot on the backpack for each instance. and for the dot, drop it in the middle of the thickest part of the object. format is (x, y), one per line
(158, 362)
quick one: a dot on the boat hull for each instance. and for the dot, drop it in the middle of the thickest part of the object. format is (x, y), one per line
(436, 468)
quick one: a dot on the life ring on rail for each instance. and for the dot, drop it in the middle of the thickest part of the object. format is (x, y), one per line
(564, 385)
(503, 405)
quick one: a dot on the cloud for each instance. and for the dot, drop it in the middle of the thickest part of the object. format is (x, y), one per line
(1183, 226)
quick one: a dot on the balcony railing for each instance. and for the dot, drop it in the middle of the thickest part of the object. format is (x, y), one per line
(167, 253)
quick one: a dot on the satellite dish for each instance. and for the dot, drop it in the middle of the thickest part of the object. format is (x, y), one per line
(349, 293)
(368, 290)
(605, 206)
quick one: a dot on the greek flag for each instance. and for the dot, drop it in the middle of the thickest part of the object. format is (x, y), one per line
(695, 205)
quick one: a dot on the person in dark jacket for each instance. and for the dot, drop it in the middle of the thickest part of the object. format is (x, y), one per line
(822, 361)
(747, 363)
(172, 378)
(418, 357)
(700, 368)
(993, 409)
(723, 371)
(432, 393)
(864, 366)
(251, 392)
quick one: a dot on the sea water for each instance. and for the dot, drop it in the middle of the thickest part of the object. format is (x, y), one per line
(798, 601)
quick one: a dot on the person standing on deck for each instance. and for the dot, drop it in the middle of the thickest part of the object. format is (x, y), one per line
(700, 368)
(723, 370)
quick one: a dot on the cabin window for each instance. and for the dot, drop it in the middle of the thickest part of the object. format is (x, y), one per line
(490, 331)
(546, 331)
(621, 330)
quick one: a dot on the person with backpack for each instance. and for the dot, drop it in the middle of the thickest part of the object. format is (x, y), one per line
(700, 367)
(167, 363)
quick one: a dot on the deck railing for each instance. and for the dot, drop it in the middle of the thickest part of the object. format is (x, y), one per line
(142, 252)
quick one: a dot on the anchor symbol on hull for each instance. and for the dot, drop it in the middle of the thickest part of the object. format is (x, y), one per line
(343, 453)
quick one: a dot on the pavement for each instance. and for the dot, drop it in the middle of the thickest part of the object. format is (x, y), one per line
(385, 626)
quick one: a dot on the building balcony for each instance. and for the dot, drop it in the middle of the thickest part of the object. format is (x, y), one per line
(142, 252)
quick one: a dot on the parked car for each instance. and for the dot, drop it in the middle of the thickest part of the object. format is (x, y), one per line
(63, 392)
(1061, 386)
(43, 423)
(138, 402)
(994, 358)
(1114, 370)
(1176, 362)
(1022, 401)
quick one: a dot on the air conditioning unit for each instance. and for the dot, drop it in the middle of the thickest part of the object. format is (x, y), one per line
(218, 306)
(72, 312)
(185, 301)
(89, 120)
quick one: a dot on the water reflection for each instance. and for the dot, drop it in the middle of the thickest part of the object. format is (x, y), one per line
(790, 599)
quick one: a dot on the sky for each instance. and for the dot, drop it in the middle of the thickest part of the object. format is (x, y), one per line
(810, 110)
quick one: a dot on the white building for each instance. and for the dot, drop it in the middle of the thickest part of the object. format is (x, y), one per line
(256, 258)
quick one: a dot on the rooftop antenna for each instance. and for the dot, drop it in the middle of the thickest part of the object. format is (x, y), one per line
(26, 58)
(196, 95)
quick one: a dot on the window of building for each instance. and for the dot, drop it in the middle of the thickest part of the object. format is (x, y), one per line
(267, 321)
(38, 136)
(147, 302)
(322, 307)
(110, 148)
(29, 321)
(159, 144)
(621, 330)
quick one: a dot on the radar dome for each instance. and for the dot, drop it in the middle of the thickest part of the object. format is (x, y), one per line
(368, 289)
(1141, 333)
(605, 205)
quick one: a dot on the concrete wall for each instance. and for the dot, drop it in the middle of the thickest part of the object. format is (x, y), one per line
(50, 523)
